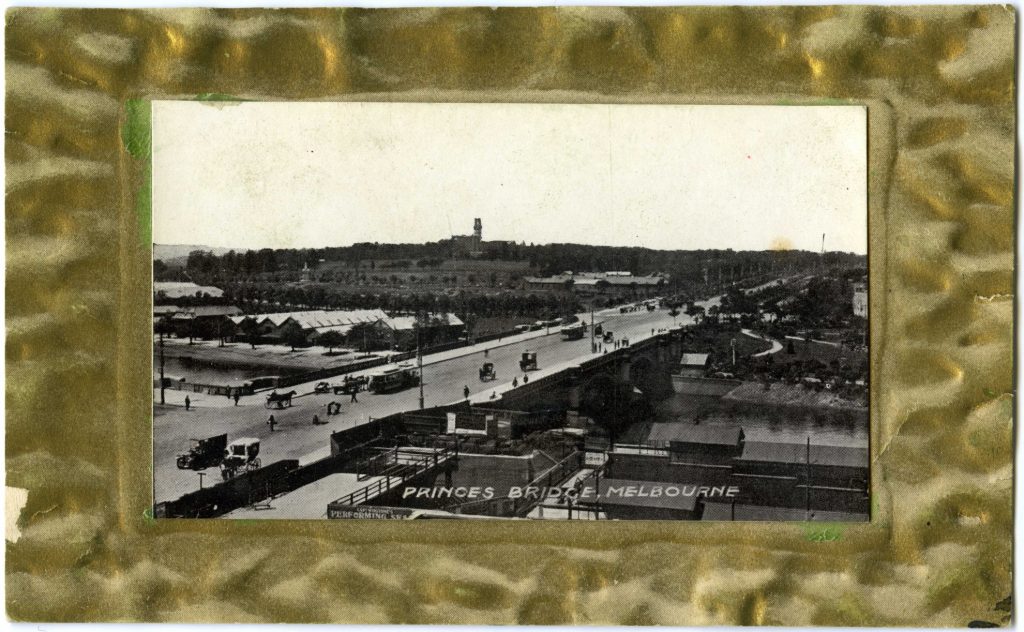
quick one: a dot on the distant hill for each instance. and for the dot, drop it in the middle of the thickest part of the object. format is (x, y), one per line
(179, 252)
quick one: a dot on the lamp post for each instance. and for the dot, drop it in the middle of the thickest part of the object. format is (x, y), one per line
(593, 344)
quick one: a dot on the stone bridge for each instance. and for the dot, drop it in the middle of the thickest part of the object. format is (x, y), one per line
(645, 364)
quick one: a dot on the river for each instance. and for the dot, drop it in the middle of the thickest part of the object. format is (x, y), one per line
(765, 422)
(200, 372)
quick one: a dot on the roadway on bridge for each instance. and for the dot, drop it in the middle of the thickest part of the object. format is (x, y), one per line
(295, 436)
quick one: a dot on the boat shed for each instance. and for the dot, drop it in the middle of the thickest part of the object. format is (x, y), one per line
(690, 443)
(693, 364)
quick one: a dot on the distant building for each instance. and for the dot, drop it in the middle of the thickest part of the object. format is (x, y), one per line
(275, 327)
(399, 332)
(473, 246)
(860, 300)
(391, 332)
(162, 311)
(469, 245)
(182, 289)
(208, 322)
(615, 283)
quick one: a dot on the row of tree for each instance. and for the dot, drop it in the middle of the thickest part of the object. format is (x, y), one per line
(704, 266)
(263, 297)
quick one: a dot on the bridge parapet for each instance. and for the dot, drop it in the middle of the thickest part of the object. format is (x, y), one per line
(657, 350)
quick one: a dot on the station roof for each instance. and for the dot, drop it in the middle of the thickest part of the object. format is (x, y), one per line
(622, 497)
(830, 455)
(689, 433)
(320, 319)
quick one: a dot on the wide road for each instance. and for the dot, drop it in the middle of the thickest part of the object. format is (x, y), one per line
(296, 437)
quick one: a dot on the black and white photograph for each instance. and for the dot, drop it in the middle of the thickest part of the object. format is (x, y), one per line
(370, 310)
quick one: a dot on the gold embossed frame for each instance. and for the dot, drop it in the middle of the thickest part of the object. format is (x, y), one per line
(938, 83)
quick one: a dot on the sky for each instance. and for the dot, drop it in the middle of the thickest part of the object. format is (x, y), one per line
(303, 175)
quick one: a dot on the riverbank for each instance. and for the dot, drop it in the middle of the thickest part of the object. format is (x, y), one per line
(781, 394)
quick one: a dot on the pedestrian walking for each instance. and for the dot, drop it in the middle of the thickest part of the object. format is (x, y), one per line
(271, 422)
(188, 402)
(526, 378)
(355, 389)
(465, 392)
(236, 398)
(515, 382)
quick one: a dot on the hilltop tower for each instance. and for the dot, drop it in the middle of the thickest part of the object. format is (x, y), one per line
(478, 233)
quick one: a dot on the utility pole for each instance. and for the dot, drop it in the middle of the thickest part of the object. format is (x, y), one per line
(162, 366)
(419, 360)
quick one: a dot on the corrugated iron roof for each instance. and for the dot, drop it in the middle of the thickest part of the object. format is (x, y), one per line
(796, 453)
(624, 496)
(689, 433)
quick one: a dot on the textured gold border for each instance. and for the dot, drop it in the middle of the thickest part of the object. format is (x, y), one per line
(939, 86)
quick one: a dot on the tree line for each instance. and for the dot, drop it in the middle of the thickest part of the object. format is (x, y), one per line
(711, 266)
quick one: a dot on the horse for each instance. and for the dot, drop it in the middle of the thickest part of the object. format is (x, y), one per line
(281, 399)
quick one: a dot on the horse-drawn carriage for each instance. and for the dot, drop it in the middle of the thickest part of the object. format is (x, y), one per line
(241, 455)
(487, 372)
(528, 361)
(279, 400)
(351, 385)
